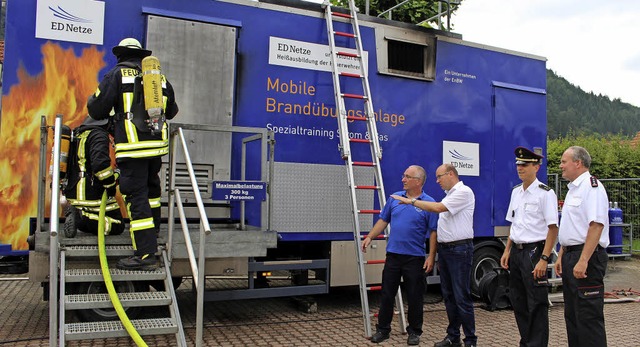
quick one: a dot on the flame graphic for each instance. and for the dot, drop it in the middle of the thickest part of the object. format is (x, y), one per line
(63, 86)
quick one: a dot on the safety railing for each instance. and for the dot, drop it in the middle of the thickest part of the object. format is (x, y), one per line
(53, 221)
(198, 268)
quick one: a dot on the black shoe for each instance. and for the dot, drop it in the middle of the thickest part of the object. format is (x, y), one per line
(71, 221)
(446, 343)
(146, 262)
(413, 340)
(379, 337)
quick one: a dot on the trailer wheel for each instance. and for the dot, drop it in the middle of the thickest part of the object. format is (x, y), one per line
(105, 314)
(485, 259)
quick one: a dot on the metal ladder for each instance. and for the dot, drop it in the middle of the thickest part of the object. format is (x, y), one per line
(345, 145)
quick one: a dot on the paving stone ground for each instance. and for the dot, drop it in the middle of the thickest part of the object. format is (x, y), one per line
(337, 322)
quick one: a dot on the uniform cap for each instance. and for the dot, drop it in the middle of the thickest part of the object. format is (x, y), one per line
(525, 156)
(130, 46)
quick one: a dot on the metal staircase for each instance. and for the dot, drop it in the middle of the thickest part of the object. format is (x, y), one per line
(79, 264)
(375, 152)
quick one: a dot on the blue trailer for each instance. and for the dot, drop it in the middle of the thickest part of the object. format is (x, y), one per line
(240, 63)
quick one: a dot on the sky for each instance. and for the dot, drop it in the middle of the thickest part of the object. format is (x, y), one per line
(594, 44)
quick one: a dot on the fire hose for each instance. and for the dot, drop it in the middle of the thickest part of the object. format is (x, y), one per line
(107, 277)
(622, 295)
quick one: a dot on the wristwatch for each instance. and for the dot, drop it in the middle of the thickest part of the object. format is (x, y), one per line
(545, 258)
(413, 201)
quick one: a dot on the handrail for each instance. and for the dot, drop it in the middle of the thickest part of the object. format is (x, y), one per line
(187, 238)
(198, 266)
(53, 234)
(205, 229)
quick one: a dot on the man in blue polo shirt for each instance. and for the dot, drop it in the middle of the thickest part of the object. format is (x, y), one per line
(405, 253)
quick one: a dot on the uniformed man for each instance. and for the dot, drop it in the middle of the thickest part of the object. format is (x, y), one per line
(138, 150)
(584, 235)
(90, 173)
(533, 213)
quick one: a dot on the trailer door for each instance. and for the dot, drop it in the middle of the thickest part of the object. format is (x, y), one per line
(520, 119)
(199, 60)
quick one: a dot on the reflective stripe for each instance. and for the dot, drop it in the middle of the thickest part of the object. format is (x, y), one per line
(81, 188)
(128, 79)
(154, 202)
(106, 173)
(149, 144)
(149, 153)
(127, 101)
(132, 133)
(108, 221)
(97, 93)
(141, 224)
(91, 205)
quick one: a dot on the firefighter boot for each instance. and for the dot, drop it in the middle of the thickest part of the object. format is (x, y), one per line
(145, 262)
(71, 219)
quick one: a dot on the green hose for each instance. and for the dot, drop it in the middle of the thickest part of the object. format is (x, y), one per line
(107, 277)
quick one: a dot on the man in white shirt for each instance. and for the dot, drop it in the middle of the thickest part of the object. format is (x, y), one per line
(533, 213)
(455, 253)
(584, 235)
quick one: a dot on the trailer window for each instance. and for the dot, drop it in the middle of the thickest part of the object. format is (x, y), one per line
(404, 56)
(406, 53)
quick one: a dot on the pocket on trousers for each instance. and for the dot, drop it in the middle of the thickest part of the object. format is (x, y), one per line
(592, 292)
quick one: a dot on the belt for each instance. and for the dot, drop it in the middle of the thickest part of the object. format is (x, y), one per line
(455, 243)
(576, 248)
(528, 245)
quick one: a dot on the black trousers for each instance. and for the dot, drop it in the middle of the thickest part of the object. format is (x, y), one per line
(140, 184)
(530, 300)
(584, 299)
(409, 268)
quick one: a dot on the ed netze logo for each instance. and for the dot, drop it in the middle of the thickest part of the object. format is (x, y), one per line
(75, 27)
(455, 155)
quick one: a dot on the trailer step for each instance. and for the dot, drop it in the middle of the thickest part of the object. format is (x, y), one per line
(92, 250)
(102, 300)
(95, 275)
(101, 330)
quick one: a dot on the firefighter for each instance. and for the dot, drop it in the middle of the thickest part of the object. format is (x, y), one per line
(88, 175)
(533, 214)
(138, 150)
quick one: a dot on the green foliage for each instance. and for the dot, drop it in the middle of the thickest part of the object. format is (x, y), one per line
(612, 156)
(414, 11)
(570, 110)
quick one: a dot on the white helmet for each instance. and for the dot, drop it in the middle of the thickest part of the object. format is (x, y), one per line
(130, 46)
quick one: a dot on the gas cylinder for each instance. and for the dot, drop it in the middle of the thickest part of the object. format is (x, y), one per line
(615, 229)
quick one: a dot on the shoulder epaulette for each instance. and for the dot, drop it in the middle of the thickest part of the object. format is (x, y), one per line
(517, 185)
(594, 181)
(544, 186)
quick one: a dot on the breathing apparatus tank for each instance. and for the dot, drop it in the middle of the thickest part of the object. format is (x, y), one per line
(152, 86)
(65, 142)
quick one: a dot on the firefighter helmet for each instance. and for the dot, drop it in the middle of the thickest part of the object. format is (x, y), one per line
(130, 47)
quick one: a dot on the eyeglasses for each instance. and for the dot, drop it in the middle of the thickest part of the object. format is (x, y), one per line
(442, 174)
(409, 177)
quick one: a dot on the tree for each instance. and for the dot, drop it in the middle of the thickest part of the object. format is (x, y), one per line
(412, 11)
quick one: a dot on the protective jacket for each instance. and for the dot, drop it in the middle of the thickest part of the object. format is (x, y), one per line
(120, 95)
(89, 174)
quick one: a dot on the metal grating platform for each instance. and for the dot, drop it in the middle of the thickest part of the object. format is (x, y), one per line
(101, 330)
(92, 250)
(134, 299)
(95, 275)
